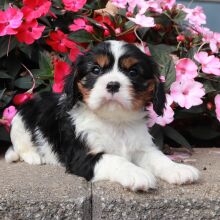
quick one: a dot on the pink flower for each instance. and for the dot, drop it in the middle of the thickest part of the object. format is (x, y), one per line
(10, 20)
(28, 32)
(187, 93)
(186, 68)
(74, 52)
(8, 115)
(217, 105)
(143, 21)
(210, 64)
(195, 16)
(61, 70)
(120, 3)
(80, 23)
(59, 41)
(35, 9)
(74, 5)
(20, 99)
(167, 4)
(214, 42)
(168, 114)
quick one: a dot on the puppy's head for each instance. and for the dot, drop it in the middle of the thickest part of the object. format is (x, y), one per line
(115, 76)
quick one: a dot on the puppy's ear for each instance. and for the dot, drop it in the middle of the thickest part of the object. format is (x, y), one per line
(71, 88)
(159, 98)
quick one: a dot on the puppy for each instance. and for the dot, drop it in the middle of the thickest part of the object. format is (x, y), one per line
(97, 127)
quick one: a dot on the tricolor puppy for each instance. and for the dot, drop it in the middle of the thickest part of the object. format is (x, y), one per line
(97, 127)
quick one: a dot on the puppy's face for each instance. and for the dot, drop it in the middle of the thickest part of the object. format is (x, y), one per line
(116, 76)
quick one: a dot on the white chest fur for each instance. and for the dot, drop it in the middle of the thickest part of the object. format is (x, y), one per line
(110, 136)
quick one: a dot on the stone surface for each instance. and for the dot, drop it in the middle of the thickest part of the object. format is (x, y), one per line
(197, 201)
(42, 192)
(47, 192)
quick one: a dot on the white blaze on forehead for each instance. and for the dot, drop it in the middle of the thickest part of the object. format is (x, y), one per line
(117, 49)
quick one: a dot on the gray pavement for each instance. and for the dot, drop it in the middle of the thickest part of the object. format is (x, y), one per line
(47, 192)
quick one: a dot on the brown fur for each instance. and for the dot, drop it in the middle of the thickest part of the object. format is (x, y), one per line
(128, 62)
(102, 60)
(141, 99)
(85, 92)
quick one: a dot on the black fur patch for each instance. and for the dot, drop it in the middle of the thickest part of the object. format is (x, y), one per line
(44, 113)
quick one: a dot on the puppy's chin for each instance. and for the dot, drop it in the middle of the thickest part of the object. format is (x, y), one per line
(114, 111)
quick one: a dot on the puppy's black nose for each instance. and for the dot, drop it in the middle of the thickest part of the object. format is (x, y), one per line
(113, 87)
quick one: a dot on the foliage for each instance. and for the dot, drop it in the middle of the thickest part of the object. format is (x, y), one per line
(40, 39)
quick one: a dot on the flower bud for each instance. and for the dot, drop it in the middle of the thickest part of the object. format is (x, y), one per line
(209, 106)
(180, 38)
(22, 98)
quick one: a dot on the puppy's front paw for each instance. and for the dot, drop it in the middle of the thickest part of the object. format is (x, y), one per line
(31, 158)
(136, 178)
(179, 174)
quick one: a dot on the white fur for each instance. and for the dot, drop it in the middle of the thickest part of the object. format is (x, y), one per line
(24, 148)
(45, 149)
(118, 169)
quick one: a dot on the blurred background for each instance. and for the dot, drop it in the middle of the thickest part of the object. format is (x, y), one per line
(211, 8)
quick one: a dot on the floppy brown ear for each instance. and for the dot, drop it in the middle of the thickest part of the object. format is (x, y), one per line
(159, 98)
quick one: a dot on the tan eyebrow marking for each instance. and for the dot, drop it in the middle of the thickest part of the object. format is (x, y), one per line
(102, 60)
(128, 62)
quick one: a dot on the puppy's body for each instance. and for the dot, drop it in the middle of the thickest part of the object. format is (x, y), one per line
(97, 127)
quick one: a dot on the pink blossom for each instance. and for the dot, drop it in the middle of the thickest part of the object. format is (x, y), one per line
(214, 42)
(80, 23)
(195, 16)
(187, 93)
(35, 9)
(8, 115)
(120, 3)
(28, 32)
(210, 64)
(217, 105)
(143, 21)
(186, 68)
(9, 21)
(74, 5)
(168, 114)
(167, 4)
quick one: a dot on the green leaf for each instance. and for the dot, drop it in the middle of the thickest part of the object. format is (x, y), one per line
(4, 41)
(176, 136)
(161, 54)
(13, 65)
(129, 25)
(45, 64)
(179, 18)
(24, 82)
(4, 75)
(208, 85)
(203, 132)
(81, 36)
(191, 52)
(2, 93)
(157, 133)
(4, 135)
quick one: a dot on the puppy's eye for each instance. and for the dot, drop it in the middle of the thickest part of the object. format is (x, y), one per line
(133, 73)
(96, 70)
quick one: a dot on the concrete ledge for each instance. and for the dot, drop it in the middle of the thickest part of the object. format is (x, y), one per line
(197, 201)
(42, 192)
(47, 192)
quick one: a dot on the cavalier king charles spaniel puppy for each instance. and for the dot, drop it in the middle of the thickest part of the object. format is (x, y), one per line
(97, 127)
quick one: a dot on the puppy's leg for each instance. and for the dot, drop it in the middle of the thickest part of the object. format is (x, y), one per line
(118, 169)
(22, 142)
(164, 168)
